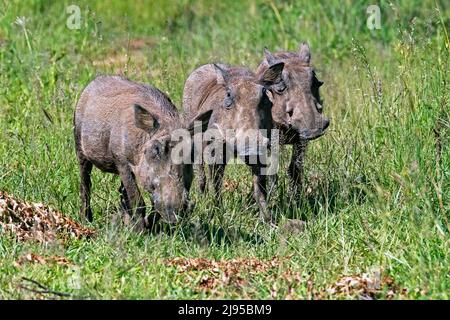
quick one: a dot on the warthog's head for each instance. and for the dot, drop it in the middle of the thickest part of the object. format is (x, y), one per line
(168, 181)
(296, 100)
(241, 107)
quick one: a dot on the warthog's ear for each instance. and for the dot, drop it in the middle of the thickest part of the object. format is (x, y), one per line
(144, 120)
(222, 75)
(200, 122)
(304, 52)
(273, 74)
(269, 57)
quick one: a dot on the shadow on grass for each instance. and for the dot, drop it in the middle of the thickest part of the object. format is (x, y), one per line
(206, 234)
(318, 195)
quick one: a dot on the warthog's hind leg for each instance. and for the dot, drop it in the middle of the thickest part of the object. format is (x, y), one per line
(85, 187)
(131, 199)
(260, 193)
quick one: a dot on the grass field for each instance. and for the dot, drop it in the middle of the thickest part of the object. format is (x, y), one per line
(377, 202)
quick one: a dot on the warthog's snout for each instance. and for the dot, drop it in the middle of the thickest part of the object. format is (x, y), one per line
(314, 133)
(170, 200)
(170, 215)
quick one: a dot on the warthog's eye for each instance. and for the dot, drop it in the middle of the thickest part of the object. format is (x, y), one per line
(171, 144)
(279, 87)
(229, 99)
(153, 152)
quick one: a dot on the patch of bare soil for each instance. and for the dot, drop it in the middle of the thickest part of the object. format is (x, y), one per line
(33, 258)
(140, 43)
(125, 52)
(36, 221)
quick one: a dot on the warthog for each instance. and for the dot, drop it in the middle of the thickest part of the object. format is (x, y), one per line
(123, 127)
(297, 106)
(240, 104)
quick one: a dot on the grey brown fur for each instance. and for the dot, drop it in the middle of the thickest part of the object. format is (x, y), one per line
(297, 106)
(123, 127)
(238, 102)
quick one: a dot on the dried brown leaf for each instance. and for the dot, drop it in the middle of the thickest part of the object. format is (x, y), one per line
(37, 222)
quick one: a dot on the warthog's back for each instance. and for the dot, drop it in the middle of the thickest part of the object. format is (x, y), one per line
(201, 85)
(196, 87)
(105, 96)
(104, 118)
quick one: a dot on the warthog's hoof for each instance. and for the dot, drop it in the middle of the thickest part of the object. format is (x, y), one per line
(293, 227)
(151, 220)
(137, 224)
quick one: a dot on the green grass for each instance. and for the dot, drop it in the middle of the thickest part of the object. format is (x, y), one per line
(379, 194)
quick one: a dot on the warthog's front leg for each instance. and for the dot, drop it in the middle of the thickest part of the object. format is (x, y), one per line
(260, 192)
(296, 166)
(124, 201)
(200, 170)
(131, 199)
